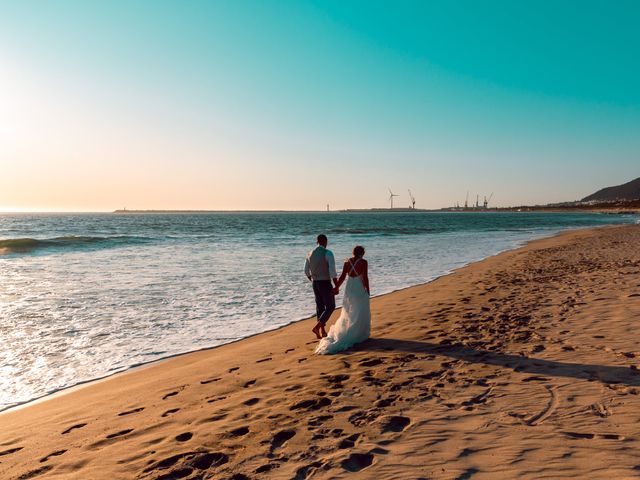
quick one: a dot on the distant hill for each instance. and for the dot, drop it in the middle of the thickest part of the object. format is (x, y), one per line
(627, 191)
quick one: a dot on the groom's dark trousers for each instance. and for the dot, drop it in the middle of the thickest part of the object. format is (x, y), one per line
(325, 300)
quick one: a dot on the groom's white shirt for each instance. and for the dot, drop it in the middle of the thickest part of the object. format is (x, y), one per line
(331, 264)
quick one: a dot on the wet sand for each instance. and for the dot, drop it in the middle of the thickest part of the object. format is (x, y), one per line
(524, 365)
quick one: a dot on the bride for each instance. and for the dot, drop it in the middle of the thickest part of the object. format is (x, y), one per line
(354, 324)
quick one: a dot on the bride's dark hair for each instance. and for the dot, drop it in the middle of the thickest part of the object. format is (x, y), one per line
(358, 251)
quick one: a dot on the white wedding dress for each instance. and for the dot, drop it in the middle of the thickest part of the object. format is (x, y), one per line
(354, 324)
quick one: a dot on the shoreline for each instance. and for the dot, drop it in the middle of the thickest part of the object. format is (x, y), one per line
(135, 367)
(521, 365)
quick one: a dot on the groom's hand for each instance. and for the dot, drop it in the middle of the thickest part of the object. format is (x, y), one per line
(336, 290)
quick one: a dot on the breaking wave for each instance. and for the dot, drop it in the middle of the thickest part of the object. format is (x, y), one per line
(29, 245)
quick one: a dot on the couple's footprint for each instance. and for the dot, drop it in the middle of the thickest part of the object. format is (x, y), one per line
(210, 380)
(129, 412)
(74, 427)
(10, 451)
(53, 454)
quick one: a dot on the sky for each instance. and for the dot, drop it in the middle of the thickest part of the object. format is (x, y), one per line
(298, 104)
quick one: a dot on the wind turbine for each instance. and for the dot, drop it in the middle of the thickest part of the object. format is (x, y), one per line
(391, 195)
(413, 200)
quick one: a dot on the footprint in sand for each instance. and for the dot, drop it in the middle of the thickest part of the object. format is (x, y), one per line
(53, 454)
(379, 451)
(109, 439)
(280, 438)
(319, 420)
(210, 380)
(215, 418)
(183, 464)
(231, 370)
(129, 412)
(170, 394)
(120, 433)
(363, 417)
(73, 427)
(357, 461)
(249, 383)
(239, 432)
(470, 472)
(264, 360)
(370, 362)
(282, 371)
(216, 399)
(336, 380)
(10, 451)
(251, 401)
(346, 408)
(311, 404)
(349, 442)
(34, 473)
(169, 412)
(305, 472)
(266, 468)
(385, 402)
(535, 378)
(289, 350)
(394, 423)
(183, 437)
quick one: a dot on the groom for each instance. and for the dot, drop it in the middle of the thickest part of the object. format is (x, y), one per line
(320, 269)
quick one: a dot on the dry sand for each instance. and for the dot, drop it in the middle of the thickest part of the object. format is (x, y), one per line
(519, 366)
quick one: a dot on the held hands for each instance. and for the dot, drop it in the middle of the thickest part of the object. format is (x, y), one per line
(336, 290)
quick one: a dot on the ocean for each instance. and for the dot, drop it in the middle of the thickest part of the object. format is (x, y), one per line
(84, 296)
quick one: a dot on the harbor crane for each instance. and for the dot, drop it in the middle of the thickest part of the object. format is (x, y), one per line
(391, 195)
(413, 200)
(486, 202)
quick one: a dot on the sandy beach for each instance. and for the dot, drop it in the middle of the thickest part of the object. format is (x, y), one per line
(523, 365)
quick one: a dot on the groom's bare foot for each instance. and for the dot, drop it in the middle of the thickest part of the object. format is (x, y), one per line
(323, 332)
(315, 330)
